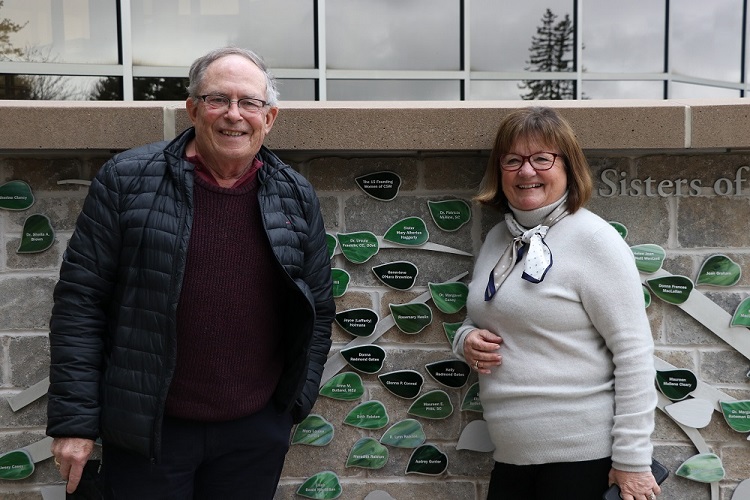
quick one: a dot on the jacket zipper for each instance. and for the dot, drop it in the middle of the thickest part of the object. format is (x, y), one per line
(171, 339)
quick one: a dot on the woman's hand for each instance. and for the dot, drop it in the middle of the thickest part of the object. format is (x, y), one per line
(481, 350)
(635, 485)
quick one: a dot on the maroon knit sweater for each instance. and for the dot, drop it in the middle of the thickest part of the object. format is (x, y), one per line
(229, 337)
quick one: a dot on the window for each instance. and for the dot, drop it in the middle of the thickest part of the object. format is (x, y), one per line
(393, 34)
(380, 49)
(393, 90)
(281, 31)
(503, 31)
(686, 90)
(495, 90)
(624, 37)
(619, 89)
(707, 39)
(60, 31)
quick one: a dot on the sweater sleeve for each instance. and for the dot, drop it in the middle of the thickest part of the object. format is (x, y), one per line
(458, 340)
(612, 295)
(496, 240)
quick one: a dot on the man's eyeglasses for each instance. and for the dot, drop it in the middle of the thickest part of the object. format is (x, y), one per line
(542, 160)
(222, 102)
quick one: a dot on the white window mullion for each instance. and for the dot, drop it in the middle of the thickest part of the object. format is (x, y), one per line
(579, 49)
(467, 50)
(322, 62)
(127, 50)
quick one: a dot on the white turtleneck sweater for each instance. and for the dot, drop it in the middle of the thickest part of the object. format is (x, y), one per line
(577, 378)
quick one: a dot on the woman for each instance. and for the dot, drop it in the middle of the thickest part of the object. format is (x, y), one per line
(562, 344)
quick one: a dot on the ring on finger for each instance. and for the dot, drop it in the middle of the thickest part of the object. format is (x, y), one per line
(476, 364)
(57, 464)
(651, 496)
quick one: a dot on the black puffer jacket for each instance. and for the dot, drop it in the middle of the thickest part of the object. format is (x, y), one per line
(112, 331)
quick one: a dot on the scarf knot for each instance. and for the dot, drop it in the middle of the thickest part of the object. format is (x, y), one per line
(537, 256)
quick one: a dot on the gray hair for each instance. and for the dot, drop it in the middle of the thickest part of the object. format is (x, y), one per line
(200, 65)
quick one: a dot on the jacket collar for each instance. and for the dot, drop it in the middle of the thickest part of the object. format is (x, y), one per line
(175, 153)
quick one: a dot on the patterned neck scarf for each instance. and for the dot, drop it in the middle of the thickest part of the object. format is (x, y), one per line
(538, 255)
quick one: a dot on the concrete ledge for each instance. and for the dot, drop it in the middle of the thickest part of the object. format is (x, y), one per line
(60, 125)
(384, 126)
(721, 124)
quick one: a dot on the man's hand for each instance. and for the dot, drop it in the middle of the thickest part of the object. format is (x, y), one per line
(71, 454)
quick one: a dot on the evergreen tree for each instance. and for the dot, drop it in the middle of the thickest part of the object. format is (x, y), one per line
(107, 89)
(552, 50)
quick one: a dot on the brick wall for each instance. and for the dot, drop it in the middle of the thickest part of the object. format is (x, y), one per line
(439, 152)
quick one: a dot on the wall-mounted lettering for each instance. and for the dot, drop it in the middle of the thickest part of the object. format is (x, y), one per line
(618, 183)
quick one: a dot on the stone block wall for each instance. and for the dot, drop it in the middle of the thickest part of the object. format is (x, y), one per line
(693, 201)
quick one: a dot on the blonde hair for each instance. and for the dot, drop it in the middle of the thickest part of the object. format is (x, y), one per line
(546, 126)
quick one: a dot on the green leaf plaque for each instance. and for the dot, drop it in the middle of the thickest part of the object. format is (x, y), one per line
(671, 289)
(450, 330)
(648, 257)
(411, 318)
(646, 296)
(367, 453)
(719, 270)
(368, 415)
(345, 386)
(313, 431)
(411, 231)
(358, 247)
(471, 400)
(37, 235)
(404, 383)
(452, 373)
(741, 316)
(704, 468)
(16, 464)
(358, 322)
(16, 195)
(322, 486)
(427, 459)
(434, 405)
(365, 358)
(737, 414)
(331, 243)
(382, 186)
(449, 297)
(340, 281)
(676, 384)
(620, 228)
(450, 215)
(399, 275)
(407, 433)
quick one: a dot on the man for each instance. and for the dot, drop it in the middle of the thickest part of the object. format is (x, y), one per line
(192, 318)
